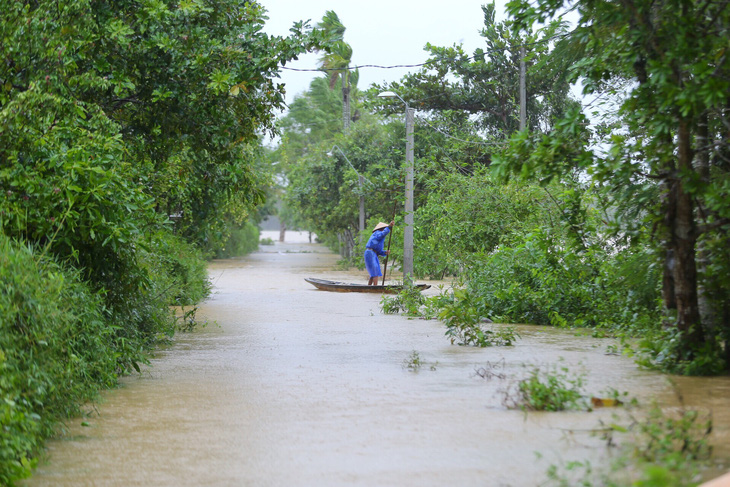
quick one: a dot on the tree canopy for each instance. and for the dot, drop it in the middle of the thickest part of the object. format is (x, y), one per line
(669, 132)
(486, 82)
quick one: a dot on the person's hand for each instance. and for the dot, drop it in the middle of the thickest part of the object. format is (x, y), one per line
(387, 252)
(391, 224)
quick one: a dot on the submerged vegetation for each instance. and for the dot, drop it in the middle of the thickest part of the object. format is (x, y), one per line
(414, 362)
(464, 324)
(554, 389)
(661, 448)
(408, 300)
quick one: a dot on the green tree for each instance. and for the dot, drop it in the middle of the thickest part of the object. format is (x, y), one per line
(193, 86)
(325, 189)
(312, 118)
(486, 83)
(335, 62)
(111, 122)
(672, 134)
(309, 131)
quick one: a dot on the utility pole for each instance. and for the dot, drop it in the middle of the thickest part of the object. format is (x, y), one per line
(408, 231)
(523, 91)
(361, 181)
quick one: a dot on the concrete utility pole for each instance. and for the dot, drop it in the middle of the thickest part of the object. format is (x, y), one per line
(408, 231)
(523, 91)
(361, 181)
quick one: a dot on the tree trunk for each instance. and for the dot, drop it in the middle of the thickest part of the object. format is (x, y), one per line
(349, 242)
(708, 312)
(684, 238)
(345, 107)
(668, 298)
(669, 206)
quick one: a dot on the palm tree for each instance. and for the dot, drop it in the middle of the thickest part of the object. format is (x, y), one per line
(335, 62)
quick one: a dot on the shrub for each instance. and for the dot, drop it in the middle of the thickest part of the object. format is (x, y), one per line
(408, 300)
(542, 281)
(241, 241)
(547, 390)
(471, 215)
(178, 270)
(463, 324)
(56, 351)
(662, 350)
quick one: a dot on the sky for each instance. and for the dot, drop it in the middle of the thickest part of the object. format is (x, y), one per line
(381, 32)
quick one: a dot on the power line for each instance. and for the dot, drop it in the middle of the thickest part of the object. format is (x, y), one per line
(488, 144)
(348, 161)
(430, 61)
(360, 67)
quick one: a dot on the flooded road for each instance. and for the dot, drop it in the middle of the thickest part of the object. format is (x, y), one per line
(291, 386)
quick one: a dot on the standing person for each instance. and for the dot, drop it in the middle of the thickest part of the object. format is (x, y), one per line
(373, 249)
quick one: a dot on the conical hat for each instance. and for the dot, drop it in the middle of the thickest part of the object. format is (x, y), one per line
(380, 225)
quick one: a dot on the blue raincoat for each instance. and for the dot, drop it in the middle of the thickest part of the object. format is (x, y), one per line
(374, 248)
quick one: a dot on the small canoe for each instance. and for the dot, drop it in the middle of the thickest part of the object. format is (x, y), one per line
(344, 287)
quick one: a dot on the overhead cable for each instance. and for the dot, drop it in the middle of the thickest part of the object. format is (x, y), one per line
(488, 144)
(430, 61)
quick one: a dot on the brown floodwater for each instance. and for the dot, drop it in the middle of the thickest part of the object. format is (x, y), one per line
(291, 386)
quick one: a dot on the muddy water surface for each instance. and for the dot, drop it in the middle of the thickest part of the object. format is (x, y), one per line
(291, 386)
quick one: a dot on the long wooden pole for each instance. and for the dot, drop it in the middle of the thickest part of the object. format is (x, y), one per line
(385, 270)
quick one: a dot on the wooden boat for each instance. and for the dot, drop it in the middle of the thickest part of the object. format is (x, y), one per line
(344, 287)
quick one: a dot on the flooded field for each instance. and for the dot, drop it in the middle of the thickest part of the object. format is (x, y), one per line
(291, 386)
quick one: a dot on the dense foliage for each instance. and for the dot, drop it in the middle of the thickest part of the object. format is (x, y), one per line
(469, 216)
(56, 350)
(128, 136)
(324, 184)
(664, 63)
